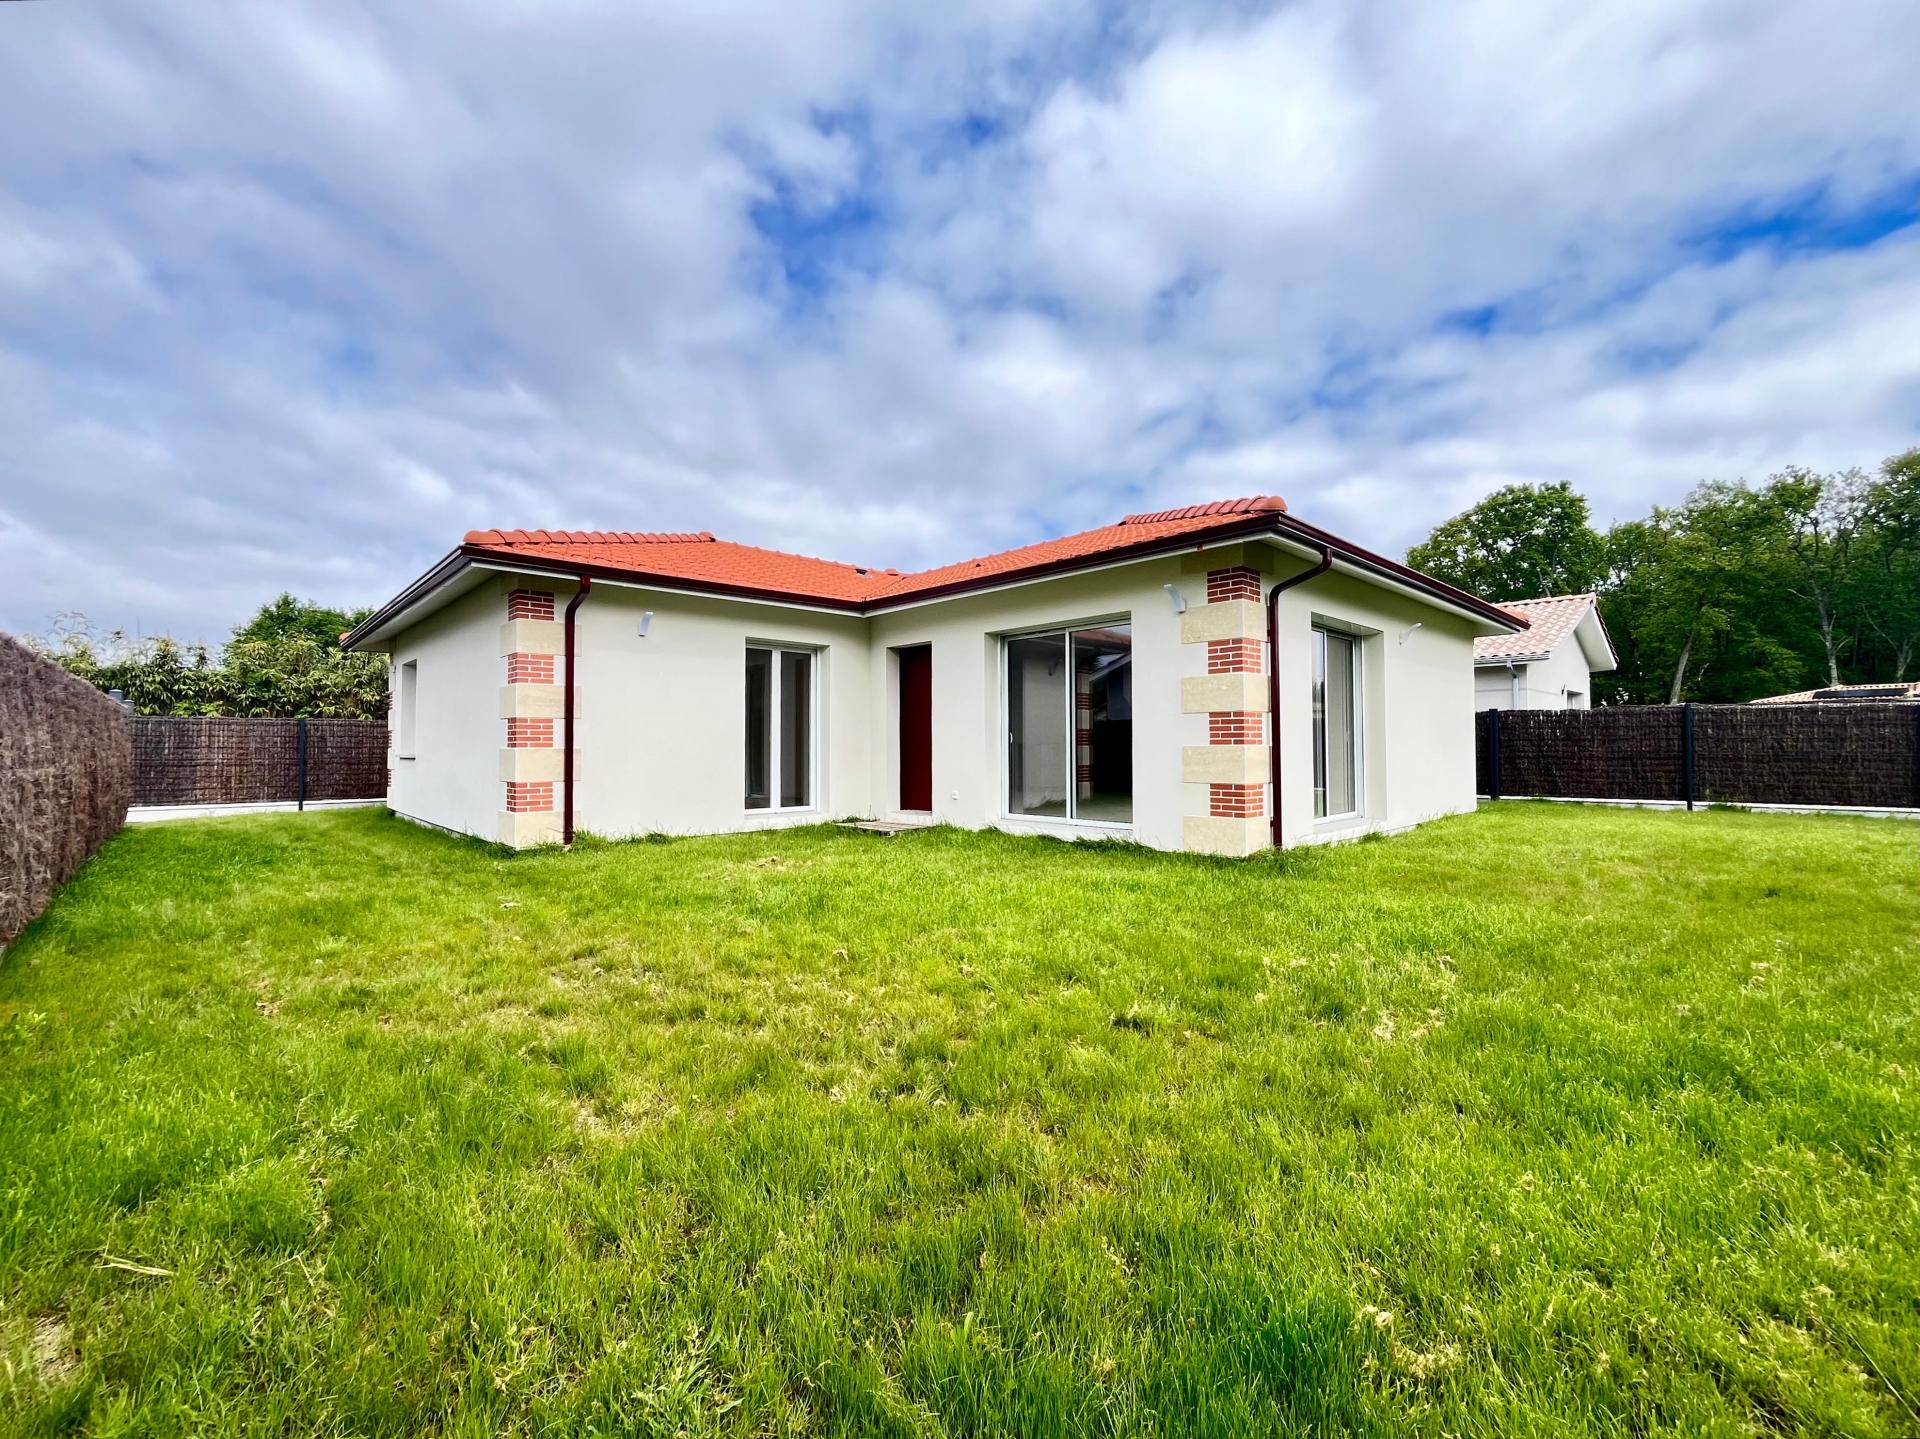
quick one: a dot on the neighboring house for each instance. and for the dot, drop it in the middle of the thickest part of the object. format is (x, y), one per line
(1548, 666)
(1899, 692)
(1113, 683)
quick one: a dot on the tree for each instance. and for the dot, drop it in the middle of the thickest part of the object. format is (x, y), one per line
(1824, 517)
(1518, 543)
(284, 617)
(1698, 599)
(286, 661)
(1887, 579)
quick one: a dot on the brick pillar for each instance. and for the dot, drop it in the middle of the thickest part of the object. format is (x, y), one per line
(531, 641)
(1232, 765)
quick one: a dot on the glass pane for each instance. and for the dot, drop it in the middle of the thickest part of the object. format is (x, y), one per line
(1037, 726)
(759, 727)
(796, 729)
(1319, 724)
(1337, 714)
(1103, 724)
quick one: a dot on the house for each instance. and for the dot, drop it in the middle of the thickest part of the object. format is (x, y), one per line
(1897, 692)
(1549, 665)
(1114, 683)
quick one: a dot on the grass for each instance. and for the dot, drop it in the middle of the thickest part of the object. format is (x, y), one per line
(1545, 1120)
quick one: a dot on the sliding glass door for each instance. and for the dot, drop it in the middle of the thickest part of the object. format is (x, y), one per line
(1070, 724)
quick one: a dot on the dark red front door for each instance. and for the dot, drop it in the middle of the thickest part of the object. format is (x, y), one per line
(916, 727)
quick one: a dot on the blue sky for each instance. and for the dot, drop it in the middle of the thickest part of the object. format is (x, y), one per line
(292, 295)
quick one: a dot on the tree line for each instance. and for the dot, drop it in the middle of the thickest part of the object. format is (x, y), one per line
(286, 661)
(1738, 592)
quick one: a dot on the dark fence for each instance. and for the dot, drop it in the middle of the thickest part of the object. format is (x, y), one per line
(1856, 755)
(257, 761)
(66, 778)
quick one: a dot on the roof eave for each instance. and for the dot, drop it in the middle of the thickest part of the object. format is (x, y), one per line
(382, 621)
(1595, 644)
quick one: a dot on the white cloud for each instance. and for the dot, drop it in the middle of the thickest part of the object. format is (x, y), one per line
(291, 296)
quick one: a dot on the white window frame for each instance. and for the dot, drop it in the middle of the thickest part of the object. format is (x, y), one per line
(406, 704)
(1358, 642)
(1066, 632)
(774, 681)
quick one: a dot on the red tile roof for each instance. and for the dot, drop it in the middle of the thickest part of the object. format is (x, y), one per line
(1891, 692)
(700, 559)
(1549, 620)
(696, 560)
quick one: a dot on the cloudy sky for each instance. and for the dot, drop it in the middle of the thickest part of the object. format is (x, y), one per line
(293, 294)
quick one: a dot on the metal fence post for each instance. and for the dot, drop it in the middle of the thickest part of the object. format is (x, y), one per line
(1686, 751)
(300, 758)
(1493, 754)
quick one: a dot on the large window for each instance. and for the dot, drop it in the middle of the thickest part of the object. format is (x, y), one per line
(1070, 724)
(1336, 724)
(779, 728)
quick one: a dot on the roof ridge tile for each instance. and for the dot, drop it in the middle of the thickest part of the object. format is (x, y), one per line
(1251, 504)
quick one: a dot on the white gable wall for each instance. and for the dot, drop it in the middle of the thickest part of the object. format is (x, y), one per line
(451, 780)
(1560, 681)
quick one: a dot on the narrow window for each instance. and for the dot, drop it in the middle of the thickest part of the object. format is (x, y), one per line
(1336, 725)
(796, 729)
(759, 728)
(1037, 718)
(407, 701)
(1070, 724)
(780, 728)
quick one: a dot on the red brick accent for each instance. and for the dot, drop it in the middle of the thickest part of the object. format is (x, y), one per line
(1233, 657)
(1236, 727)
(1237, 801)
(1239, 583)
(529, 605)
(529, 734)
(529, 796)
(529, 669)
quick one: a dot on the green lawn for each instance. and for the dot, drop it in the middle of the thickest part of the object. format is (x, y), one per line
(1545, 1120)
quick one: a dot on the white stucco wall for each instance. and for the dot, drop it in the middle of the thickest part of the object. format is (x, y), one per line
(1416, 703)
(969, 728)
(661, 725)
(1560, 681)
(661, 719)
(452, 778)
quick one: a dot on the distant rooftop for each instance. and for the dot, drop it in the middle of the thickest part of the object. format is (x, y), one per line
(1907, 692)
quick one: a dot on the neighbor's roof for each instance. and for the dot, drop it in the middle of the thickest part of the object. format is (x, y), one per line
(1902, 692)
(1549, 621)
(699, 561)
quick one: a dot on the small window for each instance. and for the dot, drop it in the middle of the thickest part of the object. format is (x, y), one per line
(406, 703)
(780, 728)
(1336, 725)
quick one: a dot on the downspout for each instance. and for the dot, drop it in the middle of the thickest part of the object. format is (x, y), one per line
(566, 723)
(1273, 676)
